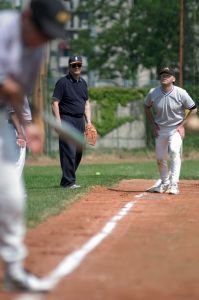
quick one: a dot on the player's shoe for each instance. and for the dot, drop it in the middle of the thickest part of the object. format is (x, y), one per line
(161, 188)
(25, 281)
(152, 188)
(173, 189)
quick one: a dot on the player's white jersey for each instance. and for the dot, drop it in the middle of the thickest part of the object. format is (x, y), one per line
(169, 108)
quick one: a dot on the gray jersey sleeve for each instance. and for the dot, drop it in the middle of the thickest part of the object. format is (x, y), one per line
(187, 101)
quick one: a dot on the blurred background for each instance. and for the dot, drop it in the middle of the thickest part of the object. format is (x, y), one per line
(123, 43)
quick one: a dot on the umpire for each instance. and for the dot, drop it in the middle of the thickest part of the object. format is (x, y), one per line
(70, 103)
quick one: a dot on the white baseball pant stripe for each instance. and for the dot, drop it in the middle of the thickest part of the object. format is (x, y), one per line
(19, 153)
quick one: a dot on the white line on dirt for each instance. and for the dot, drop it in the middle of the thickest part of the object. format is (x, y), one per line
(72, 261)
(29, 296)
(140, 195)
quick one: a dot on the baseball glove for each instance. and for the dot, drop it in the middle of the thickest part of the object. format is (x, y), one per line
(91, 134)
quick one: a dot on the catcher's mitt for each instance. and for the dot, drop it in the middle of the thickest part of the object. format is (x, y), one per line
(91, 134)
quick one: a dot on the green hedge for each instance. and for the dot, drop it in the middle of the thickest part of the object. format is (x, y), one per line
(107, 100)
(115, 95)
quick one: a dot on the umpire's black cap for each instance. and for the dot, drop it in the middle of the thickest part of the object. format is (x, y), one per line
(50, 17)
(75, 59)
(167, 70)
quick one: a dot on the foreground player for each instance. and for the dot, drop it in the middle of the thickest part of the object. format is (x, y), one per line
(169, 103)
(21, 49)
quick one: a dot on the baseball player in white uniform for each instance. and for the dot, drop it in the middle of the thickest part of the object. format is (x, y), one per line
(22, 37)
(167, 119)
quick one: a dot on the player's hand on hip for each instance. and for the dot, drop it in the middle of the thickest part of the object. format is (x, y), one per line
(35, 139)
(181, 131)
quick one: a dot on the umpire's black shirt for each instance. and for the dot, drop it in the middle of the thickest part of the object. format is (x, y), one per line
(72, 95)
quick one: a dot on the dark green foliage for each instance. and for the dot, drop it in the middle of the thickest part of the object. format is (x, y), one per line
(5, 5)
(107, 100)
(120, 36)
(117, 94)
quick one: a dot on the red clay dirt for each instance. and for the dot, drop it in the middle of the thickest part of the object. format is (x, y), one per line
(152, 254)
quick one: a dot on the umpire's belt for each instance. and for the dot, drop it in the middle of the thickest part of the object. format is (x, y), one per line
(72, 115)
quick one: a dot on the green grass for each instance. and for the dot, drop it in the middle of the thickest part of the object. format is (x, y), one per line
(46, 198)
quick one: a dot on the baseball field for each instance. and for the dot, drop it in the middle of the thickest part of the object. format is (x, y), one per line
(111, 239)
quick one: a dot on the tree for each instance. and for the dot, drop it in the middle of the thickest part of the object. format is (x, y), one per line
(191, 52)
(131, 33)
(5, 4)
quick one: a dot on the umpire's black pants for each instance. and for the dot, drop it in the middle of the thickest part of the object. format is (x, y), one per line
(70, 155)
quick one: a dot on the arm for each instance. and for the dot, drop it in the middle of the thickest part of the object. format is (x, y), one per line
(55, 110)
(16, 123)
(189, 106)
(21, 139)
(12, 92)
(88, 112)
(150, 118)
(189, 115)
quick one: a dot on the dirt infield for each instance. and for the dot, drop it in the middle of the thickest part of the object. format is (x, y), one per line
(151, 254)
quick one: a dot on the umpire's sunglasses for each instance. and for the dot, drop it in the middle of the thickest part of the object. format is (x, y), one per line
(75, 66)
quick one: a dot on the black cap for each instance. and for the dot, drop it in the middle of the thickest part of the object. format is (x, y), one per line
(50, 17)
(75, 59)
(167, 70)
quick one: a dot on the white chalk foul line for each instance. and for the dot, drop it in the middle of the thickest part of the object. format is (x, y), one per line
(72, 261)
(29, 296)
(140, 195)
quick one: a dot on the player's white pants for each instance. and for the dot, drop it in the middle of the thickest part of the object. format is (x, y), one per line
(12, 200)
(19, 152)
(169, 145)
